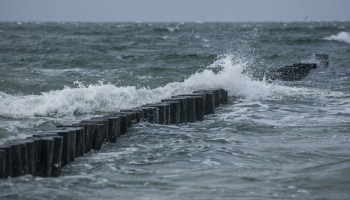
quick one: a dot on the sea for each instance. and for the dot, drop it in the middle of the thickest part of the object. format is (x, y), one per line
(272, 140)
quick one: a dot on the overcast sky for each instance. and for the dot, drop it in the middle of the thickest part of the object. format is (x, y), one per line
(174, 10)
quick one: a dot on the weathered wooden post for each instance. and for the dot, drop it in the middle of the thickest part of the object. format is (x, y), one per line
(216, 96)
(80, 141)
(2, 164)
(30, 149)
(45, 168)
(72, 143)
(224, 96)
(113, 128)
(8, 161)
(95, 137)
(183, 112)
(161, 110)
(57, 156)
(105, 122)
(44, 153)
(191, 107)
(37, 149)
(24, 161)
(151, 114)
(175, 110)
(16, 160)
(137, 114)
(209, 101)
(199, 105)
(56, 164)
(146, 112)
(89, 136)
(66, 144)
(123, 122)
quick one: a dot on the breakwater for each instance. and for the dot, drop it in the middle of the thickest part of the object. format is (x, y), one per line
(45, 153)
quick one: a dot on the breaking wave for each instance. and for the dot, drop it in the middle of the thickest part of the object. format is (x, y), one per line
(341, 37)
(109, 98)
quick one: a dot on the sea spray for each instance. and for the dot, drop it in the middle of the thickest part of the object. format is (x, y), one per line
(341, 37)
(109, 98)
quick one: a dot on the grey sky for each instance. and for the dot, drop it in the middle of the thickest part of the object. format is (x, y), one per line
(174, 10)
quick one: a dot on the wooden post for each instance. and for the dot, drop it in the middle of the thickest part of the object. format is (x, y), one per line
(50, 165)
(16, 160)
(80, 141)
(2, 164)
(80, 134)
(162, 112)
(183, 111)
(27, 156)
(105, 122)
(175, 110)
(113, 128)
(30, 149)
(224, 96)
(209, 101)
(217, 93)
(199, 105)
(24, 161)
(46, 161)
(37, 150)
(129, 119)
(57, 156)
(151, 114)
(98, 142)
(8, 161)
(97, 128)
(75, 140)
(66, 145)
(154, 115)
(191, 107)
(137, 114)
(123, 122)
(72, 143)
(145, 111)
(89, 132)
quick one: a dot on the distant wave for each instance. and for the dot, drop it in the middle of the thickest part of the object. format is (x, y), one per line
(166, 29)
(341, 37)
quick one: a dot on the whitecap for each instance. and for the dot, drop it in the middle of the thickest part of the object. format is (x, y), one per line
(341, 37)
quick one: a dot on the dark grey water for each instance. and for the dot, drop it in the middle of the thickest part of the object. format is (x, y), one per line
(279, 140)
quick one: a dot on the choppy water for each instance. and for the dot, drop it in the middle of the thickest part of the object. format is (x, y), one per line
(280, 140)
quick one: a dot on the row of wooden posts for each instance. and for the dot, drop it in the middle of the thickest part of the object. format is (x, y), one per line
(45, 153)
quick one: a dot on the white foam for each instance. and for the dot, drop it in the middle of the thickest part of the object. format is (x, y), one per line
(341, 37)
(108, 97)
(173, 29)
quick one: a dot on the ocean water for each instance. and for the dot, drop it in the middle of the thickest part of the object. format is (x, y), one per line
(273, 140)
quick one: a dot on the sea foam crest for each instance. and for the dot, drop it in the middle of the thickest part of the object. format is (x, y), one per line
(108, 97)
(341, 37)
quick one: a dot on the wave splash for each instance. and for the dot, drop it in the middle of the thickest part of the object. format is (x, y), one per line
(109, 98)
(341, 37)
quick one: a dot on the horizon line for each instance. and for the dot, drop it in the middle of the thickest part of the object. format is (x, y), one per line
(139, 21)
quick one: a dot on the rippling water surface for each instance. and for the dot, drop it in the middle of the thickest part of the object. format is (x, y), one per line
(273, 140)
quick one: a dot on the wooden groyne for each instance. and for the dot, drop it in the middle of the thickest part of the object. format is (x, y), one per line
(45, 153)
(297, 71)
